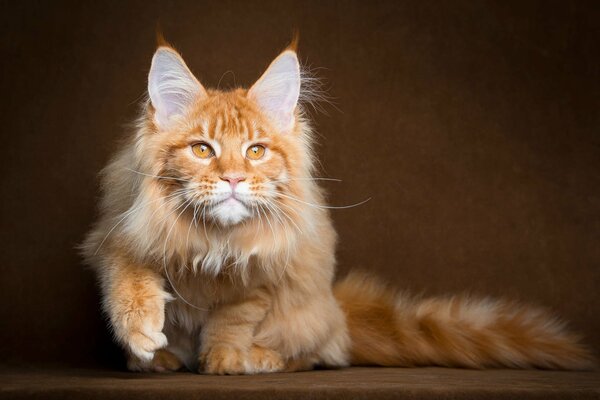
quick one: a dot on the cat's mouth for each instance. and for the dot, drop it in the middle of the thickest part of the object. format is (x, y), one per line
(230, 210)
(231, 200)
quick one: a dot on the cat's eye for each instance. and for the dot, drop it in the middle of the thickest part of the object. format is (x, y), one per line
(202, 150)
(255, 152)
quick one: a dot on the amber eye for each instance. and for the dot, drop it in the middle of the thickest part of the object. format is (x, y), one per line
(202, 150)
(255, 152)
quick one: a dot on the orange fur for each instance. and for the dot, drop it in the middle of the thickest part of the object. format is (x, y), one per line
(387, 328)
(244, 283)
(160, 38)
(293, 46)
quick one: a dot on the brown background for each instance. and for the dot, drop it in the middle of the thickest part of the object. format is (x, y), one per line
(473, 125)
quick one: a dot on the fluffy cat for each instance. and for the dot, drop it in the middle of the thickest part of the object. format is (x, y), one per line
(215, 253)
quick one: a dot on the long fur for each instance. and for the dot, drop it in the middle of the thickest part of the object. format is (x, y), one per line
(182, 289)
(392, 329)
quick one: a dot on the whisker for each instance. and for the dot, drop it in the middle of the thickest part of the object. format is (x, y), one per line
(305, 179)
(224, 74)
(127, 213)
(188, 203)
(158, 176)
(260, 227)
(187, 240)
(204, 222)
(274, 213)
(269, 222)
(279, 210)
(174, 198)
(289, 217)
(287, 257)
(322, 206)
(195, 215)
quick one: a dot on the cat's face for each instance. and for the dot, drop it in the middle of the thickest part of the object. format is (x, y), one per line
(232, 154)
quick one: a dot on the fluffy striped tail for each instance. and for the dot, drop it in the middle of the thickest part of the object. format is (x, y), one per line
(390, 329)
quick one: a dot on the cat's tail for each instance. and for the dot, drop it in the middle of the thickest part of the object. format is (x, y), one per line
(389, 329)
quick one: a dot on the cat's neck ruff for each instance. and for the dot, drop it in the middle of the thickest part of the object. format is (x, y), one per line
(175, 236)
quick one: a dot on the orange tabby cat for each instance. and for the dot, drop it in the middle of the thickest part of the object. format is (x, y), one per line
(215, 253)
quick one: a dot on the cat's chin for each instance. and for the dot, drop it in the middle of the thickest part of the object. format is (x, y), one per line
(230, 212)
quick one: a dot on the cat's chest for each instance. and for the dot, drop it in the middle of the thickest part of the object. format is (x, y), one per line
(223, 254)
(207, 285)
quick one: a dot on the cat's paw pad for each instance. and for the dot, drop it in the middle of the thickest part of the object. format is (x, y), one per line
(223, 360)
(262, 360)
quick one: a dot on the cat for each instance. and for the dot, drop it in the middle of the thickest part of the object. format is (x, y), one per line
(214, 250)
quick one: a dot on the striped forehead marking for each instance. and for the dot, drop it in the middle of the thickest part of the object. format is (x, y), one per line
(230, 123)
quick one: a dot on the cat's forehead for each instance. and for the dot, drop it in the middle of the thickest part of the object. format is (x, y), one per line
(228, 115)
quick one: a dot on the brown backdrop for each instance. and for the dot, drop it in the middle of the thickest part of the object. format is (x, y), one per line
(473, 125)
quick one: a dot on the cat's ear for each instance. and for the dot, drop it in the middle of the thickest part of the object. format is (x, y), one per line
(172, 86)
(278, 89)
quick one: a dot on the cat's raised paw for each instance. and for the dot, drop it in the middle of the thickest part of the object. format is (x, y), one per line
(145, 344)
(138, 323)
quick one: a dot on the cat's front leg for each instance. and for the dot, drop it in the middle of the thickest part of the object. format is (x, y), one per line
(134, 300)
(227, 339)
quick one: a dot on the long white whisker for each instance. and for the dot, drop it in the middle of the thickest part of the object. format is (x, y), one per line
(129, 212)
(305, 179)
(168, 203)
(275, 214)
(321, 206)
(277, 211)
(287, 257)
(158, 176)
(187, 240)
(204, 222)
(188, 203)
(257, 213)
(286, 215)
(269, 222)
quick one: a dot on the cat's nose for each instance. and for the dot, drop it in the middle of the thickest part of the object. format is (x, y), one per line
(233, 180)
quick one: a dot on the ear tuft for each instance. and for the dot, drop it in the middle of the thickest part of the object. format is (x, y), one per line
(171, 85)
(160, 38)
(293, 46)
(278, 89)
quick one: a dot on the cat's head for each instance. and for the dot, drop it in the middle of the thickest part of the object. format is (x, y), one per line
(235, 155)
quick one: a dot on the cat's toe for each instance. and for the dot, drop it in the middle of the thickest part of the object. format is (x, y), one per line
(223, 360)
(263, 360)
(163, 361)
(145, 344)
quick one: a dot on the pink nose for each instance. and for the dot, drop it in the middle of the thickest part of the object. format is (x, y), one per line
(233, 181)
